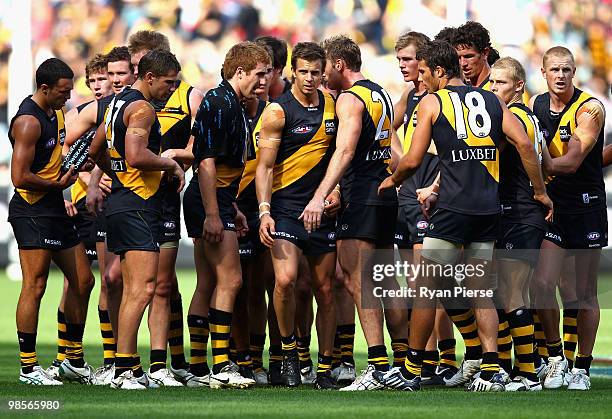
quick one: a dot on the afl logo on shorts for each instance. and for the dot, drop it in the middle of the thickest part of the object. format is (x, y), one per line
(593, 235)
(301, 130)
(50, 143)
(331, 236)
(330, 127)
(422, 225)
(169, 224)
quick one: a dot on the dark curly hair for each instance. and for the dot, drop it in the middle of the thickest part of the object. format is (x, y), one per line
(440, 54)
(472, 34)
(446, 34)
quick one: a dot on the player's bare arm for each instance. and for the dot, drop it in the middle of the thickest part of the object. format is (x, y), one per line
(273, 122)
(607, 155)
(26, 131)
(590, 119)
(421, 138)
(78, 123)
(400, 109)
(349, 111)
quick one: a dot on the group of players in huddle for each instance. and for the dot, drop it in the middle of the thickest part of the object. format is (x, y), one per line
(294, 185)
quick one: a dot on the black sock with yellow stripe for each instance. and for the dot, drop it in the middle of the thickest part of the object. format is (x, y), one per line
(447, 349)
(540, 338)
(583, 362)
(430, 363)
(324, 363)
(504, 342)
(275, 354)
(336, 353)
(220, 329)
(522, 330)
(108, 339)
(175, 335)
(555, 348)
(288, 344)
(123, 363)
(413, 365)
(198, 335)
(303, 348)
(137, 365)
(489, 366)
(377, 356)
(233, 352)
(570, 333)
(256, 347)
(27, 351)
(346, 339)
(74, 346)
(61, 336)
(158, 360)
(243, 359)
(465, 321)
(399, 348)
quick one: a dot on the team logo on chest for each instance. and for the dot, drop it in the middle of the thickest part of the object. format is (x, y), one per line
(302, 129)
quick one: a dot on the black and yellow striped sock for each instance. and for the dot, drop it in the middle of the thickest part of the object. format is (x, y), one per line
(346, 340)
(377, 356)
(243, 359)
(413, 365)
(583, 362)
(465, 322)
(256, 347)
(220, 329)
(175, 335)
(399, 348)
(108, 339)
(158, 360)
(288, 344)
(570, 333)
(74, 344)
(233, 352)
(198, 335)
(504, 342)
(324, 363)
(555, 348)
(61, 336)
(303, 348)
(123, 363)
(430, 363)
(275, 354)
(522, 330)
(137, 365)
(336, 353)
(447, 349)
(27, 351)
(489, 365)
(540, 338)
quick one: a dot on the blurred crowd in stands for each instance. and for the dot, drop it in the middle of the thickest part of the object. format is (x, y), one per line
(201, 31)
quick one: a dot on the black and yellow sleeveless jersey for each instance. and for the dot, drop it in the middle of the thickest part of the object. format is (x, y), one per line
(46, 164)
(428, 170)
(306, 146)
(247, 198)
(467, 134)
(584, 190)
(370, 164)
(174, 117)
(132, 189)
(515, 190)
(486, 84)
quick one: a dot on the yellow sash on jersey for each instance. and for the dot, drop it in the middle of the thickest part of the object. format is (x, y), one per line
(176, 109)
(51, 171)
(309, 155)
(471, 140)
(557, 147)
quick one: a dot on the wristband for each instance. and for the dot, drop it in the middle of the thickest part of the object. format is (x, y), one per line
(261, 214)
(434, 193)
(264, 203)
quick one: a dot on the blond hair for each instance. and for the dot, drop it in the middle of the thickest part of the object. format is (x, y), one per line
(512, 66)
(559, 52)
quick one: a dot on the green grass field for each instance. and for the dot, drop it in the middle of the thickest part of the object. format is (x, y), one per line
(81, 401)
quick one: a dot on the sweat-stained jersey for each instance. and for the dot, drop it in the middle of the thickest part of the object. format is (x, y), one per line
(584, 190)
(370, 164)
(306, 146)
(515, 190)
(132, 189)
(46, 164)
(467, 135)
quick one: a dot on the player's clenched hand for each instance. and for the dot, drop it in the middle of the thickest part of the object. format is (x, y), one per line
(94, 200)
(386, 184)
(311, 216)
(428, 205)
(266, 230)
(105, 185)
(178, 172)
(70, 208)
(68, 178)
(213, 229)
(545, 200)
(332, 203)
(240, 221)
(424, 193)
